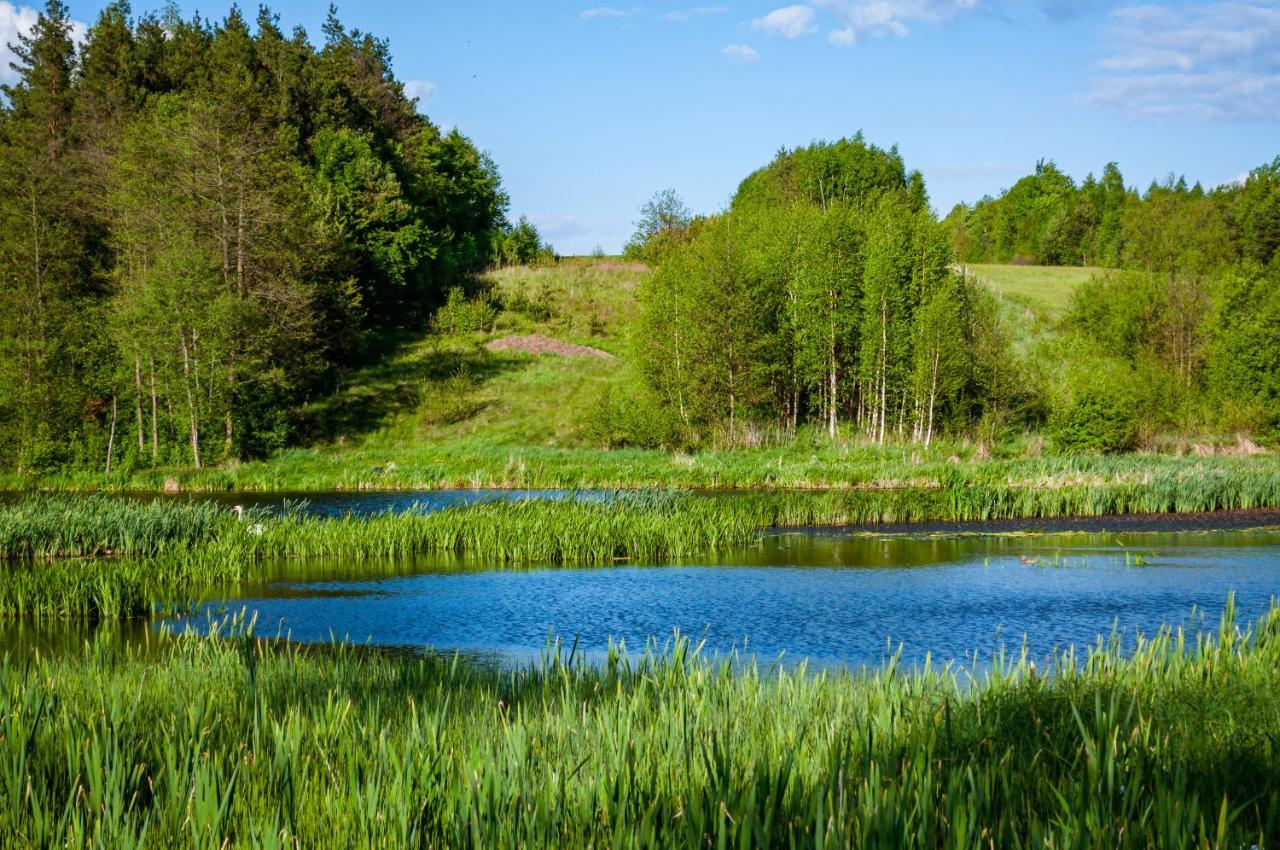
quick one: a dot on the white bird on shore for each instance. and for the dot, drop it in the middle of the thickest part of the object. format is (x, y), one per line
(238, 510)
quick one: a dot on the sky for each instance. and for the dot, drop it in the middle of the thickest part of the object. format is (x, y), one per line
(590, 109)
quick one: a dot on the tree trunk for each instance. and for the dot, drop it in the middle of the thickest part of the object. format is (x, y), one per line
(155, 415)
(933, 400)
(191, 401)
(137, 398)
(111, 440)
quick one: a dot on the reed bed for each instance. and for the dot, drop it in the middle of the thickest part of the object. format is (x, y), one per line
(234, 742)
(45, 526)
(172, 552)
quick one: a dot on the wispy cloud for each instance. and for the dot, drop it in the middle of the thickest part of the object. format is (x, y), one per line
(19, 20)
(422, 90)
(1216, 61)
(605, 12)
(860, 19)
(788, 22)
(682, 15)
(743, 53)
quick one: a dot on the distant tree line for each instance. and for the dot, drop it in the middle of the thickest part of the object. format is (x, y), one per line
(202, 224)
(1046, 218)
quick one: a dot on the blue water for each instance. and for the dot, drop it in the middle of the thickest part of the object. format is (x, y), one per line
(830, 600)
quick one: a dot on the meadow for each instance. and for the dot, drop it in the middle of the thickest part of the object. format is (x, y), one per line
(1047, 289)
(230, 741)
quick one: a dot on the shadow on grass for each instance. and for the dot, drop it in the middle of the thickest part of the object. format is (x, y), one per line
(368, 398)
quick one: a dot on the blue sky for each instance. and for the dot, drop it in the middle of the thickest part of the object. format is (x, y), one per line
(588, 109)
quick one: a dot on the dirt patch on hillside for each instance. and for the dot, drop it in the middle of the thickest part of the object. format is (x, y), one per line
(538, 344)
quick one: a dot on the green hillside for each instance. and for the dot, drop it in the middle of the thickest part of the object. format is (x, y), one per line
(1046, 289)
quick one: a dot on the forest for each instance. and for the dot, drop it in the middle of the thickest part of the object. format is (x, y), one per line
(203, 224)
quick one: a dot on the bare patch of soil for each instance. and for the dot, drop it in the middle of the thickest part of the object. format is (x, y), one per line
(538, 344)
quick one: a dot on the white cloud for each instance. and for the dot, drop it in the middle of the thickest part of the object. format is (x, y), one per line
(423, 90)
(682, 15)
(605, 12)
(788, 22)
(1216, 61)
(15, 20)
(859, 19)
(744, 53)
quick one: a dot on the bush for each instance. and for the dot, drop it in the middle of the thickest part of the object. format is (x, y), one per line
(451, 400)
(631, 417)
(462, 316)
(1100, 413)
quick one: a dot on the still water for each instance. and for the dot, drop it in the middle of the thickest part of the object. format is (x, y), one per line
(831, 599)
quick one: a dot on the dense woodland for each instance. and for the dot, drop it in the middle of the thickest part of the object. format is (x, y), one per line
(829, 294)
(203, 223)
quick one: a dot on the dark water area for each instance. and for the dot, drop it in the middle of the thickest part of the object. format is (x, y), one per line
(832, 600)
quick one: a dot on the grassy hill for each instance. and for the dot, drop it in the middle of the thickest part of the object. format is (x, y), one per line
(444, 388)
(1045, 289)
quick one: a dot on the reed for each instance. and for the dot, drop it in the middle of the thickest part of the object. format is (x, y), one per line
(174, 553)
(235, 742)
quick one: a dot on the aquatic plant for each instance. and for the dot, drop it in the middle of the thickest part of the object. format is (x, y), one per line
(233, 741)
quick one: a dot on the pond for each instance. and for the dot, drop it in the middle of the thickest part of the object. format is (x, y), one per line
(832, 599)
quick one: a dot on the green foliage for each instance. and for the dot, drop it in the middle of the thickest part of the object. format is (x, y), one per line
(630, 415)
(462, 315)
(521, 245)
(234, 741)
(844, 173)
(664, 222)
(824, 293)
(1098, 411)
(1244, 358)
(451, 400)
(202, 224)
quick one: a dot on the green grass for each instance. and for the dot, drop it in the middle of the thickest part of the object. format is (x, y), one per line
(1043, 289)
(233, 742)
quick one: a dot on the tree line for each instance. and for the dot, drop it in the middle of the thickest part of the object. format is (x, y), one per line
(829, 294)
(204, 223)
(1045, 218)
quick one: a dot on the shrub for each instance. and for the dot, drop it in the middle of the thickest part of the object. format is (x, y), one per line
(461, 315)
(1100, 413)
(631, 417)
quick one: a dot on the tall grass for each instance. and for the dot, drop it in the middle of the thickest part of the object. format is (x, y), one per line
(393, 461)
(44, 526)
(238, 743)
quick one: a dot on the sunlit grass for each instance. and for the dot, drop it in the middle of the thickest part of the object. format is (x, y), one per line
(1048, 289)
(217, 742)
(171, 553)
